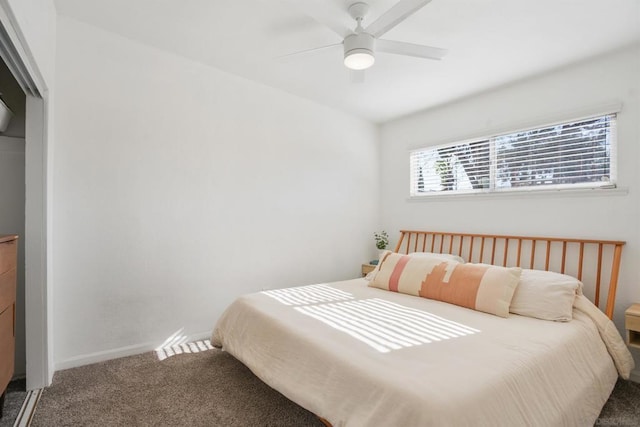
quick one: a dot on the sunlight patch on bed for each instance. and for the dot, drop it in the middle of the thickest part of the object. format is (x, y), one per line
(311, 294)
(188, 347)
(384, 325)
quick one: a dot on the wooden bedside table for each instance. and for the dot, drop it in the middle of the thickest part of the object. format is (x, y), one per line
(368, 268)
(632, 325)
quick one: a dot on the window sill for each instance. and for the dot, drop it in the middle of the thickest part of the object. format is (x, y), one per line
(581, 192)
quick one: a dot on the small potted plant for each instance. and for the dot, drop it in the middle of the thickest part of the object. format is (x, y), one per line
(382, 240)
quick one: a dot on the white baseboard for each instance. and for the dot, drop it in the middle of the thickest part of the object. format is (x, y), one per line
(101, 356)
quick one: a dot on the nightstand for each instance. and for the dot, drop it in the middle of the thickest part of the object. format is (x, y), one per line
(367, 268)
(632, 325)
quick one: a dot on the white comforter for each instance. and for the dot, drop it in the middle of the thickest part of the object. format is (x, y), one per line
(359, 356)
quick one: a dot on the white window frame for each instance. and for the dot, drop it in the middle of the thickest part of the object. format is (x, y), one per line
(492, 190)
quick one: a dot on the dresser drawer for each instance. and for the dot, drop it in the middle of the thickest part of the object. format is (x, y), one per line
(7, 289)
(8, 255)
(7, 347)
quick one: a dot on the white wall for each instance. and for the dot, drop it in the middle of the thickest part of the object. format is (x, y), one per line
(601, 81)
(12, 222)
(179, 187)
(37, 22)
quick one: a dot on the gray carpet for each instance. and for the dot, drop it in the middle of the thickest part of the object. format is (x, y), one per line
(623, 407)
(16, 393)
(210, 388)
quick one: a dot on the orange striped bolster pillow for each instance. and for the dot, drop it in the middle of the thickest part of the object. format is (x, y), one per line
(479, 287)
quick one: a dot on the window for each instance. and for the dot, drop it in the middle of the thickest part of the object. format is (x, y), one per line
(576, 154)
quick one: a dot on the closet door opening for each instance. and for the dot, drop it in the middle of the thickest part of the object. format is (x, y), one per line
(30, 158)
(12, 194)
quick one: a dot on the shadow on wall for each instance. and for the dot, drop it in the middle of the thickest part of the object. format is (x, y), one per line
(12, 105)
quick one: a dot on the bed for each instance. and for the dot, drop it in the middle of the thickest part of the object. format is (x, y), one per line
(358, 355)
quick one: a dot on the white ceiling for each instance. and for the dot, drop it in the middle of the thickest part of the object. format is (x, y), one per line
(490, 42)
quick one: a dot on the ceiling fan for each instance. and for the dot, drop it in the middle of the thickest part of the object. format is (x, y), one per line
(361, 44)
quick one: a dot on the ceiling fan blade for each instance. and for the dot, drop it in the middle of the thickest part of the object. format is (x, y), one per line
(308, 51)
(410, 49)
(392, 17)
(356, 76)
(325, 13)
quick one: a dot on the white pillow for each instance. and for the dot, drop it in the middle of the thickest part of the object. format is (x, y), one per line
(447, 257)
(436, 255)
(545, 295)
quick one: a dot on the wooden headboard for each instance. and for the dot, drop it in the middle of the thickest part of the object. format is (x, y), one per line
(588, 260)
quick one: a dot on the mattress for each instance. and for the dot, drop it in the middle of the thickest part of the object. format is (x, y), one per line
(360, 356)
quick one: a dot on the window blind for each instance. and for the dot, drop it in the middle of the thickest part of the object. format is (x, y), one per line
(579, 153)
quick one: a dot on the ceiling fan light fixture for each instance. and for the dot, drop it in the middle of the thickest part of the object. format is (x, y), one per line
(359, 59)
(358, 51)
(361, 44)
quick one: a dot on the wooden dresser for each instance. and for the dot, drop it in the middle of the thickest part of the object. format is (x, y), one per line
(8, 264)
